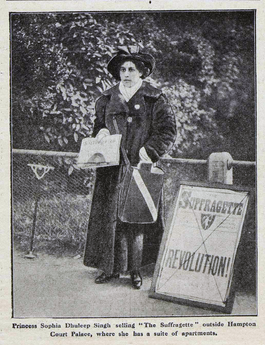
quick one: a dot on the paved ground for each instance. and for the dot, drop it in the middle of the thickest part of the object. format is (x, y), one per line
(63, 287)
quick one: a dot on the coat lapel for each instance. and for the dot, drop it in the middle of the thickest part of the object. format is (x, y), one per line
(117, 103)
(135, 106)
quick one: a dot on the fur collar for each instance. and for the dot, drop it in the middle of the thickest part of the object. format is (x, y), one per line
(145, 90)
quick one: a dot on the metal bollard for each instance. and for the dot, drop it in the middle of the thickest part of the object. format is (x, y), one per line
(220, 168)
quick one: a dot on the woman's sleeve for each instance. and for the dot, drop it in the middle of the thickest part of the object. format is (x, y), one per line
(100, 115)
(163, 129)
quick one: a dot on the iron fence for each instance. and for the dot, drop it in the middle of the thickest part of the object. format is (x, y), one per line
(51, 202)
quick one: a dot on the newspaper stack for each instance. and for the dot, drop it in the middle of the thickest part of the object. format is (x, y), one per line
(103, 153)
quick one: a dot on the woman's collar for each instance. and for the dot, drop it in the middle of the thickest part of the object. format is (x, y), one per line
(146, 90)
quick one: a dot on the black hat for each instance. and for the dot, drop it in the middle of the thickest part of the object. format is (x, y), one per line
(130, 53)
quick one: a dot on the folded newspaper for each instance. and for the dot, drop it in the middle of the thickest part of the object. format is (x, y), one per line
(95, 154)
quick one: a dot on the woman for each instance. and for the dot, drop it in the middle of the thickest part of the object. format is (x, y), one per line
(145, 119)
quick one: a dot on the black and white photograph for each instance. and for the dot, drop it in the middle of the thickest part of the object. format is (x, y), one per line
(133, 164)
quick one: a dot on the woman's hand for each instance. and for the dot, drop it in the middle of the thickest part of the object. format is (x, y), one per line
(104, 132)
(144, 156)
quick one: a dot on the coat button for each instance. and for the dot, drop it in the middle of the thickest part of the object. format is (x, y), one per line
(137, 106)
(129, 119)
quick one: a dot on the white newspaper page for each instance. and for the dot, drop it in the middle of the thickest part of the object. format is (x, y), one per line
(53, 67)
(94, 153)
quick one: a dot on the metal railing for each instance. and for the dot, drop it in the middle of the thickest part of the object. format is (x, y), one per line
(164, 159)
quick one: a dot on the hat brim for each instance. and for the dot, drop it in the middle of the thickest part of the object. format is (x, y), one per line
(115, 63)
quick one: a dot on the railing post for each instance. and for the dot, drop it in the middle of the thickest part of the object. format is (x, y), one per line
(220, 168)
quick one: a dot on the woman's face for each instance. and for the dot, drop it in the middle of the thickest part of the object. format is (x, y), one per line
(129, 74)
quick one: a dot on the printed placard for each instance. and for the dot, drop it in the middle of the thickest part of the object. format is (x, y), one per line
(197, 255)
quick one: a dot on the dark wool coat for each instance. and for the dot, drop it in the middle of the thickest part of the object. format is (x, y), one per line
(146, 120)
